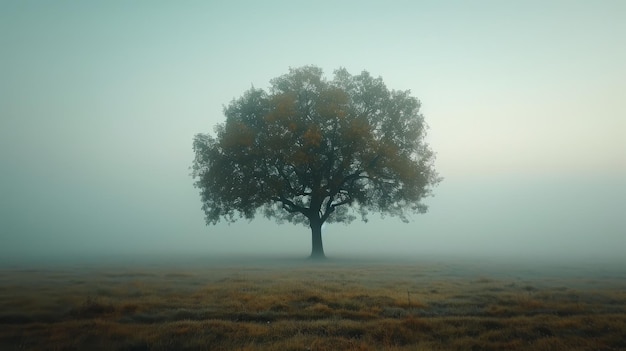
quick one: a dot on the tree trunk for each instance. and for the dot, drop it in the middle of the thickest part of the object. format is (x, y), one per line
(317, 250)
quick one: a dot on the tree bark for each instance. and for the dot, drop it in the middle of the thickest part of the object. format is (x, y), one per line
(317, 250)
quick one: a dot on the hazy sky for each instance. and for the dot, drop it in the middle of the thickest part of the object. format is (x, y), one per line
(100, 100)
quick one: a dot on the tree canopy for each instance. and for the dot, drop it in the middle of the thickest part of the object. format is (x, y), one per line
(311, 150)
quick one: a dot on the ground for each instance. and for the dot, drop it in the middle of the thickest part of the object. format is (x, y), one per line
(296, 304)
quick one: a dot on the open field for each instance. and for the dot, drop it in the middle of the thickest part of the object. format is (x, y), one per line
(295, 304)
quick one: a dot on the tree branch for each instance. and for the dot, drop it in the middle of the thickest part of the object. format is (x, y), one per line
(289, 205)
(285, 177)
(343, 202)
(353, 177)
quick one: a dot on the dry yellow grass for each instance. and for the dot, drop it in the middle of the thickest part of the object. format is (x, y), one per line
(307, 307)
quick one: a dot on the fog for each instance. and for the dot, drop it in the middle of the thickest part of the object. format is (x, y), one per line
(99, 102)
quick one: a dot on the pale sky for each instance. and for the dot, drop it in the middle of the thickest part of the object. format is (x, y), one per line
(100, 100)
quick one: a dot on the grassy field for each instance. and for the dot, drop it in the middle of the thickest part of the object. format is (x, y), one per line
(301, 305)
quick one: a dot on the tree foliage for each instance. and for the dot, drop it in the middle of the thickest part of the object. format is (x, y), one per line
(315, 150)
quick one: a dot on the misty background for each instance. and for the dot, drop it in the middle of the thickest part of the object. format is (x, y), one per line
(99, 102)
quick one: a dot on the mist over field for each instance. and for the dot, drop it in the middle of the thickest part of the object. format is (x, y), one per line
(99, 103)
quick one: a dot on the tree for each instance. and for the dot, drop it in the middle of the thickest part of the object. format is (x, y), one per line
(312, 151)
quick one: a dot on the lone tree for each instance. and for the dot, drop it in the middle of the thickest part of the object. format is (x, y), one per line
(312, 151)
